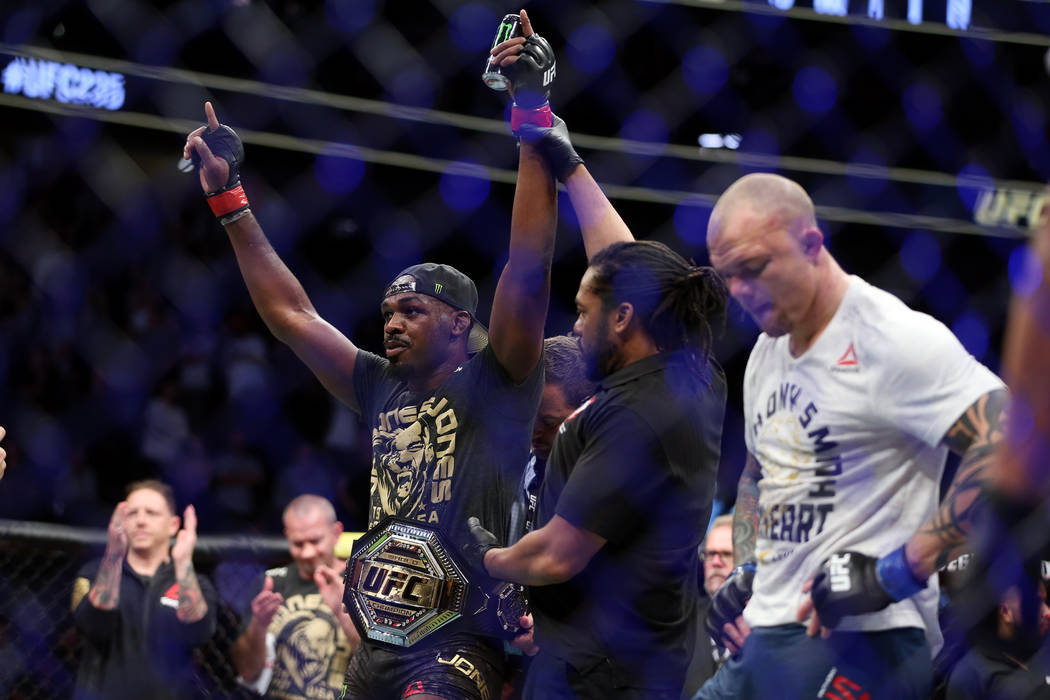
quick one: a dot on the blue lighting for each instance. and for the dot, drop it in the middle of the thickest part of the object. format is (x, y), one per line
(338, 171)
(973, 179)
(760, 140)
(922, 104)
(690, 220)
(350, 16)
(590, 48)
(872, 165)
(11, 193)
(1029, 121)
(980, 52)
(64, 82)
(944, 293)
(156, 46)
(705, 70)
(958, 14)
(396, 239)
(837, 8)
(645, 125)
(872, 37)
(464, 186)
(921, 256)
(471, 28)
(21, 27)
(972, 332)
(815, 90)
(285, 68)
(412, 87)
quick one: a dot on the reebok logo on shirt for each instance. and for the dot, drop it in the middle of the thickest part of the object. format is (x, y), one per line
(848, 362)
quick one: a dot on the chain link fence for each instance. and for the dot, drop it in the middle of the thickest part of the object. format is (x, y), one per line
(39, 645)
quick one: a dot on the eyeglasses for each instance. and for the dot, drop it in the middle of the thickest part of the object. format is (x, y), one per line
(711, 553)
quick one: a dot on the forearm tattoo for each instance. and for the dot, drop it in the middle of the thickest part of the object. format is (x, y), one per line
(192, 606)
(745, 518)
(105, 592)
(976, 436)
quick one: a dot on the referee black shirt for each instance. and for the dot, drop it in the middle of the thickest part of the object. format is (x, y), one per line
(635, 464)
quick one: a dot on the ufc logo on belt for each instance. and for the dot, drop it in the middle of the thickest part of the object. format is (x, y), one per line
(838, 573)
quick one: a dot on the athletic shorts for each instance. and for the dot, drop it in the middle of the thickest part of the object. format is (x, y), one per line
(783, 662)
(550, 678)
(463, 668)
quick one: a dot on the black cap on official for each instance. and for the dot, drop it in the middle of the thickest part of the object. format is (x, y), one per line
(444, 283)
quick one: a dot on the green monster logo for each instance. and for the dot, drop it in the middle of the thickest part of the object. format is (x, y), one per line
(438, 288)
(504, 32)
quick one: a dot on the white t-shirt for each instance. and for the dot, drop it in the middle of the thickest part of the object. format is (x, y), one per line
(849, 439)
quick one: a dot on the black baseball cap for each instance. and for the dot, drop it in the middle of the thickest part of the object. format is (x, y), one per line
(444, 283)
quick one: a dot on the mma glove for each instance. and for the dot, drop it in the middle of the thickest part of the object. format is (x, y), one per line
(482, 541)
(531, 77)
(851, 583)
(229, 202)
(531, 118)
(729, 601)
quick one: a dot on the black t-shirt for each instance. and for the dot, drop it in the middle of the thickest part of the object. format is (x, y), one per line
(139, 649)
(442, 456)
(636, 464)
(310, 649)
(992, 675)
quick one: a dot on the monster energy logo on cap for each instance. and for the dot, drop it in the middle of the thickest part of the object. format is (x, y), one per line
(448, 285)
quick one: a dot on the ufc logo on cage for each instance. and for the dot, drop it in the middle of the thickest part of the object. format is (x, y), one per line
(839, 573)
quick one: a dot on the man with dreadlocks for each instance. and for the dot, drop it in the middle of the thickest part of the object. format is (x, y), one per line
(612, 564)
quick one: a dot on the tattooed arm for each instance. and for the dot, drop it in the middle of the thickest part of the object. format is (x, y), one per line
(976, 436)
(745, 517)
(192, 606)
(105, 591)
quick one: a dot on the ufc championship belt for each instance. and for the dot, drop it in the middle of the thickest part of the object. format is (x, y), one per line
(404, 583)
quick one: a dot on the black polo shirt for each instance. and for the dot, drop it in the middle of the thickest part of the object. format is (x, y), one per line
(636, 464)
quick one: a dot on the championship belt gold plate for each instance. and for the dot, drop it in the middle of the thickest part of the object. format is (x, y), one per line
(403, 584)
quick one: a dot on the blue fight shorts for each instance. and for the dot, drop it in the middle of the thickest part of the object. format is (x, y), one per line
(463, 668)
(782, 662)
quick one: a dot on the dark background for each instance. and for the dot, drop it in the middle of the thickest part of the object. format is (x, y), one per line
(123, 316)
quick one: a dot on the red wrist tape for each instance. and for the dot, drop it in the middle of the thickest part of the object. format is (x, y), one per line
(540, 116)
(229, 201)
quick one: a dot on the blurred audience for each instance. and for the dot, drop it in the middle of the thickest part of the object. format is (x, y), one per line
(1003, 660)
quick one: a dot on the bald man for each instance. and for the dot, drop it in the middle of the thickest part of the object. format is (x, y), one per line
(852, 402)
(298, 640)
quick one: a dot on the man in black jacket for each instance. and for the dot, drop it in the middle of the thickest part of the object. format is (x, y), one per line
(141, 609)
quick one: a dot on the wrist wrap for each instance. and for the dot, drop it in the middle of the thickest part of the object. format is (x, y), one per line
(226, 202)
(539, 116)
(896, 576)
